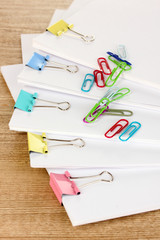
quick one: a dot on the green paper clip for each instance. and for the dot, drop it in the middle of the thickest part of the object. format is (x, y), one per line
(121, 66)
(112, 95)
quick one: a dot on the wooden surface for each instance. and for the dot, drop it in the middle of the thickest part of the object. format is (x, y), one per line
(28, 208)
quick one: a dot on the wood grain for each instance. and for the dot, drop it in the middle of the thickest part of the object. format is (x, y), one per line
(28, 208)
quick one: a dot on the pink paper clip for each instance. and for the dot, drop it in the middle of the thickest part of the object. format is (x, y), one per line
(117, 125)
(61, 184)
(99, 78)
(104, 66)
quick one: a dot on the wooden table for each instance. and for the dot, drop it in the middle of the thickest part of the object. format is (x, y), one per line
(28, 207)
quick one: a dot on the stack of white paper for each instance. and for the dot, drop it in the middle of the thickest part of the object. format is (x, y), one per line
(135, 187)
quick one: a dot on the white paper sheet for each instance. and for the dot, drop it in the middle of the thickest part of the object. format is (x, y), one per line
(116, 22)
(132, 191)
(65, 82)
(95, 153)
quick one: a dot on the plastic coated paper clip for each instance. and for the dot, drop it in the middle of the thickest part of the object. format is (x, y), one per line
(63, 184)
(104, 66)
(26, 101)
(39, 62)
(122, 52)
(40, 143)
(89, 78)
(130, 131)
(99, 78)
(116, 128)
(112, 95)
(118, 58)
(117, 71)
(61, 27)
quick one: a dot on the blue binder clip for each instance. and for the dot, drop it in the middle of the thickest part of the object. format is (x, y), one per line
(88, 78)
(39, 62)
(134, 126)
(26, 102)
(118, 58)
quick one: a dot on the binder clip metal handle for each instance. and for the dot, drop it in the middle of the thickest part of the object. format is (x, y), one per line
(63, 106)
(69, 68)
(86, 38)
(102, 179)
(77, 142)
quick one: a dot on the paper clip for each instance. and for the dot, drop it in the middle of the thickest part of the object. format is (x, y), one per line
(115, 56)
(99, 78)
(63, 184)
(39, 143)
(117, 71)
(104, 66)
(112, 95)
(61, 27)
(26, 102)
(39, 62)
(121, 49)
(118, 126)
(134, 126)
(88, 78)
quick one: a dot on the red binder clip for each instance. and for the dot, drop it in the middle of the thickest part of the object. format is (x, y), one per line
(61, 184)
(117, 125)
(104, 66)
(99, 78)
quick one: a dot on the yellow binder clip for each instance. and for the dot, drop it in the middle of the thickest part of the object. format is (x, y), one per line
(39, 143)
(36, 143)
(61, 27)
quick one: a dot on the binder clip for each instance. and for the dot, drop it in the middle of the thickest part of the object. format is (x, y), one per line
(134, 126)
(26, 101)
(40, 143)
(112, 95)
(121, 49)
(61, 27)
(117, 71)
(89, 78)
(104, 66)
(63, 184)
(39, 62)
(99, 78)
(116, 128)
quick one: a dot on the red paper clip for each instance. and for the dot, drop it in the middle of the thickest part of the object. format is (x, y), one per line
(104, 66)
(99, 78)
(117, 125)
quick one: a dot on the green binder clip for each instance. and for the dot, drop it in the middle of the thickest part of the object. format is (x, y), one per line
(112, 95)
(117, 71)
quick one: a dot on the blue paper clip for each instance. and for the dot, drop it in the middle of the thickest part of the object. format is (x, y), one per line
(87, 79)
(135, 125)
(38, 62)
(118, 58)
(26, 102)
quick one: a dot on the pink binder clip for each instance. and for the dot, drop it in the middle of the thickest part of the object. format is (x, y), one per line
(99, 78)
(104, 66)
(61, 184)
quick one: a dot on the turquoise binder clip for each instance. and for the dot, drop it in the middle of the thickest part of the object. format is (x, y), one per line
(38, 62)
(89, 78)
(112, 95)
(26, 102)
(134, 126)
